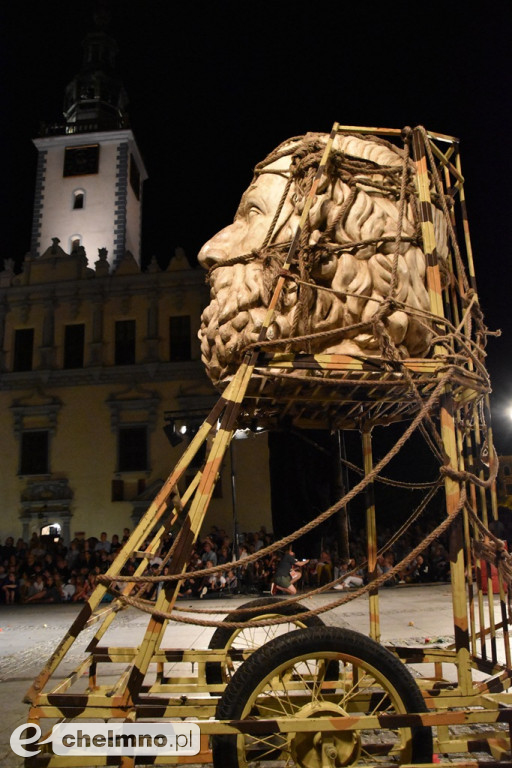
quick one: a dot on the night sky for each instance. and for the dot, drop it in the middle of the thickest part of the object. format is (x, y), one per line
(213, 87)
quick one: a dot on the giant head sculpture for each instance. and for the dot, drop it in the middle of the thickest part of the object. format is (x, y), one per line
(349, 262)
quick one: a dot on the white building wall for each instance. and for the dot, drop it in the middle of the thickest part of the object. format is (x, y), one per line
(95, 222)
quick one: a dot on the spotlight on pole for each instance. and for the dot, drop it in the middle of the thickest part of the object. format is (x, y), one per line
(173, 436)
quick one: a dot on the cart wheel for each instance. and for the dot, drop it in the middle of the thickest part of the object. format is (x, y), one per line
(249, 639)
(291, 677)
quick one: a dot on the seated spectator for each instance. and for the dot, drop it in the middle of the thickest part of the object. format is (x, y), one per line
(78, 594)
(231, 582)
(35, 586)
(86, 590)
(208, 554)
(350, 579)
(69, 589)
(385, 563)
(323, 568)
(103, 543)
(223, 555)
(51, 593)
(62, 568)
(73, 554)
(190, 587)
(10, 588)
(103, 562)
(208, 583)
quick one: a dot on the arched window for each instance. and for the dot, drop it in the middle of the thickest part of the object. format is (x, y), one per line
(78, 199)
(52, 529)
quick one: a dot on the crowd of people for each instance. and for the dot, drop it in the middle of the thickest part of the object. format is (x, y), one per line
(44, 570)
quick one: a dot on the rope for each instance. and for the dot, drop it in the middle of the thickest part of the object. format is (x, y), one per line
(277, 213)
(286, 540)
(305, 152)
(388, 480)
(375, 584)
(326, 587)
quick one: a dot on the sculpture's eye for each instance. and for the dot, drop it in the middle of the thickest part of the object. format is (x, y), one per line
(253, 209)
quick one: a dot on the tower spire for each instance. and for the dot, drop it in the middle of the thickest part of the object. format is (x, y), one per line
(90, 172)
(95, 99)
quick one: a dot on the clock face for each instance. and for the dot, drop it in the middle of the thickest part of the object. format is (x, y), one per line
(80, 161)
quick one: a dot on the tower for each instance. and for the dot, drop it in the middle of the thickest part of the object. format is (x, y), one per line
(90, 172)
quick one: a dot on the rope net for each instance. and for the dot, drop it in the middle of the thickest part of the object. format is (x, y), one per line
(376, 276)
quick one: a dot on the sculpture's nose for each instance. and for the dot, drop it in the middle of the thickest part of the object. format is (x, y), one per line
(215, 250)
(221, 247)
(211, 254)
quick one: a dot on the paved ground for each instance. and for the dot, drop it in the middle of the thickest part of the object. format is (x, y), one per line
(28, 635)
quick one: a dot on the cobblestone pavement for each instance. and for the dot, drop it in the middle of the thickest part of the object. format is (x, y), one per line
(29, 634)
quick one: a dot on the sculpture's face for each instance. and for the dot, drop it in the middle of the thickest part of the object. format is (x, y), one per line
(361, 277)
(253, 219)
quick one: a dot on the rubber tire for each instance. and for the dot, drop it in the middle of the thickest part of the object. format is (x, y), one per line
(222, 636)
(282, 649)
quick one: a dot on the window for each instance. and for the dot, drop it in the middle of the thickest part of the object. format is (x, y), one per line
(23, 349)
(132, 449)
(81, 161)
(125, 342)
(78, 199)
(74, 336)
(179, 338)
(53, 530)
(34, 453)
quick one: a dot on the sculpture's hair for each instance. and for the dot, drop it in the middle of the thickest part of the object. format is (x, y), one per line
(348, 246)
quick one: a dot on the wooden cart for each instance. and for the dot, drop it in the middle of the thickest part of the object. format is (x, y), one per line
(318, 696)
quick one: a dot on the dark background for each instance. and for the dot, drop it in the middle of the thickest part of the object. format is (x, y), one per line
(213, 87)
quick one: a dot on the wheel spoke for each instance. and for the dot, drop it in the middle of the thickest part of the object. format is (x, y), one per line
(320, 674)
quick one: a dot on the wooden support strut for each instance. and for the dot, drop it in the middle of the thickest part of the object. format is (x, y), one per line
(448, 435)
(371, 535)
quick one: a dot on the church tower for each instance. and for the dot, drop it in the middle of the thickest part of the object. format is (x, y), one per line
(90, 172)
